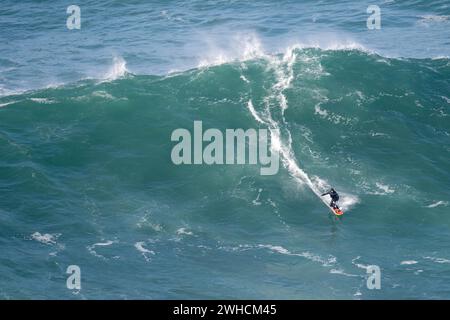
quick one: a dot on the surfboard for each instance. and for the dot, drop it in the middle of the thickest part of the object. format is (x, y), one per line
(338, 211)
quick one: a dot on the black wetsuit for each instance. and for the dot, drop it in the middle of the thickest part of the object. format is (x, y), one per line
(334, 197)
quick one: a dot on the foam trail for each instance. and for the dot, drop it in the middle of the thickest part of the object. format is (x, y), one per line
(284, 72)
(283, 69)
(144, 251)
(408, 262)
(6, 103)
(184, 231)
(437, 260)
(359, 265)
(253, 111)
(91, 248)
(325, 262)
(436, 204)
(103, 244)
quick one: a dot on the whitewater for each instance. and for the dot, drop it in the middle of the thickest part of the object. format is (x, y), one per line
(86, 176)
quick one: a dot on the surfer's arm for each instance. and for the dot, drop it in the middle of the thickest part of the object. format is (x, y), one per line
(324, 194)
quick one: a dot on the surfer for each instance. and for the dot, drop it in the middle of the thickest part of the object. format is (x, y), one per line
(334, 198)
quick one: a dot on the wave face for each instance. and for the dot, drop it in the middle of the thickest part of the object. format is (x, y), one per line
(86, 179)
(165, 36)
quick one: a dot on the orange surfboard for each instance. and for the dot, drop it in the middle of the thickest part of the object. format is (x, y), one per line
(338, 211)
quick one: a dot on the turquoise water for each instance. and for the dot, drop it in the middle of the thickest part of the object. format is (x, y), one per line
(86, 176)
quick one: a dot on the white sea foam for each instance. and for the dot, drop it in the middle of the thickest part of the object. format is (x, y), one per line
(244, 79)
(359, 265)
(433, 18)
(326, 262)
(330, 116)
(437, 260)
(331, 43)
(42, 100)
(246, 46)
(145, 223)
(278, 249)
(347, 201)
(8, 92)
(6, 103)
(103, 244)
(117, 70)
(241, 247)
(103, 94)
(446, 99)
(319, 111)
(167, 15)
(184, 231)
(378, 134)
(252, 110)
(45, 238)
(240, 47)
(92, 251)
(385, 188)
(283, 69)
(144, 251)
(342, 272)
(408, 262)
(437, 204)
